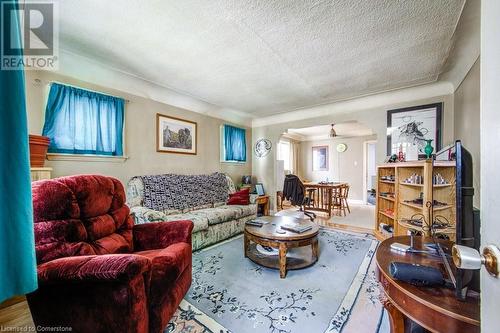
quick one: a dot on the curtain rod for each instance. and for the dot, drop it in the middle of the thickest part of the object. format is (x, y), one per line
(98, 92)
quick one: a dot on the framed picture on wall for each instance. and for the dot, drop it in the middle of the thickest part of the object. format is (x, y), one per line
(320, 158)
(175, 135)
(414, 125)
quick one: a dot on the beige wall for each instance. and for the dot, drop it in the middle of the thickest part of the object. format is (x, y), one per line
(374, 118)
(140, 130)
(467, 106)
(346, 166)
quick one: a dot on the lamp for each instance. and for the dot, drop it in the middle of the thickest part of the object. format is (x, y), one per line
(333, 133)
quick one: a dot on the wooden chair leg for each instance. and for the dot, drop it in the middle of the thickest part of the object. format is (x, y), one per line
(347, 206)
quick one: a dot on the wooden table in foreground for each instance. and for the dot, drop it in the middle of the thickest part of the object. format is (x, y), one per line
(267, 236)
(435, 309)
(323, 195)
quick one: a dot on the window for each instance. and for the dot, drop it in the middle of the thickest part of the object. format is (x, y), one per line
(284, 154)
(79, 121)
(234, 144)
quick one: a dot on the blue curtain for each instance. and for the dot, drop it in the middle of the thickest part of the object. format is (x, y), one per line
(79, 121)
(235, 144)
(17, 250)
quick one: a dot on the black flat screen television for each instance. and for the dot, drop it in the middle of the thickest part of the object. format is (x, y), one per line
(467, 219)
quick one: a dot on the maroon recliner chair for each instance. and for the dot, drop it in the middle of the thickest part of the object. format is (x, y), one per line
(97, 271)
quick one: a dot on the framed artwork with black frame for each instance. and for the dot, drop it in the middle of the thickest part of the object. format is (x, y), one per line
(414, 125)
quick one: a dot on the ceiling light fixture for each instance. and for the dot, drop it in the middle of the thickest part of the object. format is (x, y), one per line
(333, 133)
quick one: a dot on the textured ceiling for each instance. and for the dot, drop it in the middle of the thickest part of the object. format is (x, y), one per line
(266, 57)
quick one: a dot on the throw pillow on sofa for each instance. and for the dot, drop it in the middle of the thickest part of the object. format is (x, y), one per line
(240, 198)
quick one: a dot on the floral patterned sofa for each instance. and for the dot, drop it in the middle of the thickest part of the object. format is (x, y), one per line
(199, 198)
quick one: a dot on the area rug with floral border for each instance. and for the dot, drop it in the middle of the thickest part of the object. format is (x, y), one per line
(231, 293)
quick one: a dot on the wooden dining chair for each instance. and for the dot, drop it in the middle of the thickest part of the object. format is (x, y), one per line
(339, 200)
(336, 201)
(344, 194)
(311, 194)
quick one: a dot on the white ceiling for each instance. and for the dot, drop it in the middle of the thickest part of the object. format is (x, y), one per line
(343, 130)
(265, 57)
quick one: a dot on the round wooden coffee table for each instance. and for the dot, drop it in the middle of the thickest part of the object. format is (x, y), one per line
(267, 236)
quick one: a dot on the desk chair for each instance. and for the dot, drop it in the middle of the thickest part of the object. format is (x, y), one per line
(295, 191)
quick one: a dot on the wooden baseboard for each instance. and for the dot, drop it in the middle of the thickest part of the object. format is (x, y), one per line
(12, 301)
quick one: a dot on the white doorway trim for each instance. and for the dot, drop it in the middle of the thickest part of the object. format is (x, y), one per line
(365, 169)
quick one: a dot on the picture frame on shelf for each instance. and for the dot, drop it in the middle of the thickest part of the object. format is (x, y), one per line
(414, 125)
(176, 135)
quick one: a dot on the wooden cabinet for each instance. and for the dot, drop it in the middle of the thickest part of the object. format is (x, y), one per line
(40, 173)
(410, 190)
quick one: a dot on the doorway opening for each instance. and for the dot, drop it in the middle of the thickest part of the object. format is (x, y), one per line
(369, 171)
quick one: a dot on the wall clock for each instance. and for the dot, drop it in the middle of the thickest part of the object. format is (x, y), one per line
(341, 147)
(262, 147)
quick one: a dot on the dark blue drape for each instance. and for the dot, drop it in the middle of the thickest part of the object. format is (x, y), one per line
(235, 144)
(17, 249)
(79, 121)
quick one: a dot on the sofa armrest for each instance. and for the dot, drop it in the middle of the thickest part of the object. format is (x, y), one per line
(98, 268)
(159, 235)
(146, 215)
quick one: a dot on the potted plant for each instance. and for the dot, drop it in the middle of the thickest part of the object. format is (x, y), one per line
(38, 150)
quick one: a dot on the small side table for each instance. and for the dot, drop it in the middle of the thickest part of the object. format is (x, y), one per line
(435, 309)
(40, 173)
(262, 202)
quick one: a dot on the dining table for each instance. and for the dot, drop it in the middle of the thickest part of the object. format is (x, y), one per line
(321, 195)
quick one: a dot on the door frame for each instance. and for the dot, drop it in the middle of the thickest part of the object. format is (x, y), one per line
(365, 167)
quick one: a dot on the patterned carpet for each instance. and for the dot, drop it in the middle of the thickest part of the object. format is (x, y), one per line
(230, 293)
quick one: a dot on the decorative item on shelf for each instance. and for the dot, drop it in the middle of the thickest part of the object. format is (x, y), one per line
(389, 211)
(412, 152)
(401, 154)
(38, 150)
(440, 222)
(387, 195)
(175, 135)
(392, 158)
(389, 178)
(438, 179)
(416, 220)
(420, 201)
(262, 147)
(428, 148)
(414, 179)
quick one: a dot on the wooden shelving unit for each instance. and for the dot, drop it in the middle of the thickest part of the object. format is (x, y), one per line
(392, 209)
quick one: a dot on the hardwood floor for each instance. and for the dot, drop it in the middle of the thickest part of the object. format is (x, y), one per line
(324, 220)
(16, 317)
